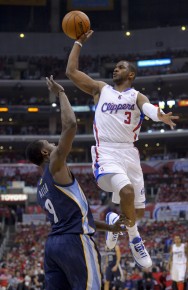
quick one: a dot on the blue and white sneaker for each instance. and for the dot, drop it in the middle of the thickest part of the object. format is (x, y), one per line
(111, 238)
(140, 254)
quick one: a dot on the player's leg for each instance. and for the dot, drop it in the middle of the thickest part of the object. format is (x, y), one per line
(120, 195)
(174, 285)
(83, 260)
(106, 285)
(181, 276)
(114, 161)
(108, 278)
(175, 276)
(78, 258)
(123, 193)
(90, 257)
(180, 285)
(139, 213)
(106, 161)
(55, 278)
(135, 175)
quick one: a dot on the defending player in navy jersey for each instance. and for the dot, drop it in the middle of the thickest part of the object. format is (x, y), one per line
(116, 163)
(72, 261)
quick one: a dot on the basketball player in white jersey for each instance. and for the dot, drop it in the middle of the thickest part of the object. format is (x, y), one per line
(178, 263)
(116, 162)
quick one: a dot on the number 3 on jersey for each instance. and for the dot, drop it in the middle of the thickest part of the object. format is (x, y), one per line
(49, 206)
(128, 120)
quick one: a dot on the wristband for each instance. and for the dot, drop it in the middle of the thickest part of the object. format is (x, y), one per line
(151, 111)
(79, 43)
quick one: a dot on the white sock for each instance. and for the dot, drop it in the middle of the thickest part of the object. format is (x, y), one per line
(133, 232)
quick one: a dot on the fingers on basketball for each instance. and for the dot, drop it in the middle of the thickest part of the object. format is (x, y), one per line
(75, 24)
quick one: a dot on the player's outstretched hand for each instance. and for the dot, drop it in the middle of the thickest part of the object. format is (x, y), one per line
(120, 225)
(167, 118)
(53, 86)
(84, 37)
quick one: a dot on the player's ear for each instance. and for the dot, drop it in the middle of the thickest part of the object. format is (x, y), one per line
(131, 75)
(44, 152)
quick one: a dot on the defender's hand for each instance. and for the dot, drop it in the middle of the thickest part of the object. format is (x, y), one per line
(120, 225)
(53, 86)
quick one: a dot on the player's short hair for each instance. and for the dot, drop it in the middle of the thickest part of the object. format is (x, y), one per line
(33, 152)
(132, 68)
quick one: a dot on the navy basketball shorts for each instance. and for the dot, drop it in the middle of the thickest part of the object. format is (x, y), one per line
(72, 262)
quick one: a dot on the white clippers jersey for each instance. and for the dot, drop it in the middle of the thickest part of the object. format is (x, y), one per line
(117, 117)
(179, 256)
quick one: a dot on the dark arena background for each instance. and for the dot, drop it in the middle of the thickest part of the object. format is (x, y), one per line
(151, 34)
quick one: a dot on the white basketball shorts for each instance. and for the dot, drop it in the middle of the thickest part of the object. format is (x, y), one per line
(178, 272)
(116, 165)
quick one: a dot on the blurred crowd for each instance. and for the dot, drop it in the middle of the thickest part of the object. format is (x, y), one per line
(23, 263)
(166, 185)
(35, 68)
(16, 127)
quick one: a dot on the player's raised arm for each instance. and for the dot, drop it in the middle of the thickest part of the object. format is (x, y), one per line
(69, 126)
(79, 78)
(154, 113)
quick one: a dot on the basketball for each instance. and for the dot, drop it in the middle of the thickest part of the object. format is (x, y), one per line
(75, 23)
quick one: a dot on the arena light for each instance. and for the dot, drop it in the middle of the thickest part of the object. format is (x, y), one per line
(154, 62)
(183, 103)
(171, 103)
(183, 28)
(81, 108)
(3, 109)
(33, 109)
(127, 33)
(161, 104)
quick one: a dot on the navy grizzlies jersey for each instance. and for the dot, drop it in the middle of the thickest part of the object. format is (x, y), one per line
(66, 206)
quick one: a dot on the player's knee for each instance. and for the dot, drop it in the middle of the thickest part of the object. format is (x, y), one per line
(127, 193)
(140, 213)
